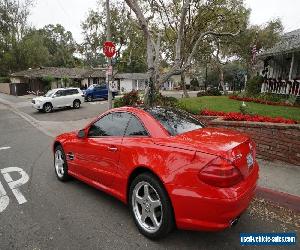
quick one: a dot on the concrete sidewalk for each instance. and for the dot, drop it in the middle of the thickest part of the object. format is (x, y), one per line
(278, 182)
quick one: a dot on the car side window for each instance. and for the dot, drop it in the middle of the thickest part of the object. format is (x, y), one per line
(135, 128)
(60, 93)
(68, 92)
(113, 124)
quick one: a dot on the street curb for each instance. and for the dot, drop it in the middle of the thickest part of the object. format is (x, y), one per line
(283, 199)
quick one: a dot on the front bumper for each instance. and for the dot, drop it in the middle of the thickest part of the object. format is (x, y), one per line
(37, 106)
(195, 209)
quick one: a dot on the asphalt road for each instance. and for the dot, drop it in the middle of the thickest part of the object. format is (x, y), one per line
(87, 110)
(73, 215)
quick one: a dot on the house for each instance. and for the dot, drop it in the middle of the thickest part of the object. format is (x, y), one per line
(44, 78)
(282, 66)
(132, 81)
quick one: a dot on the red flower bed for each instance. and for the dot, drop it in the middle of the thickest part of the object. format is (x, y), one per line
(235, 116)
(257, 100)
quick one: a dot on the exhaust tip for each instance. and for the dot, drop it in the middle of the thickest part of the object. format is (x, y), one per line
(234, 222)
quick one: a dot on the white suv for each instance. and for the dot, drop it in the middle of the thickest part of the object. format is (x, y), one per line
(59, 98)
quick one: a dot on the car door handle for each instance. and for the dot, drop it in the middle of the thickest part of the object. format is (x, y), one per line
(112, 148)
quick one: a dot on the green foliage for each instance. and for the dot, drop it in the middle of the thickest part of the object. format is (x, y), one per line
(168, 101)
(47, 79)
(4, 79)
(271, 97)
(253, 86)
(129, 99)
(194, 84)
(210, 92)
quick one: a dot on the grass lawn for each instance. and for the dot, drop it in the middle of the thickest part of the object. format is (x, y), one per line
(223, 103)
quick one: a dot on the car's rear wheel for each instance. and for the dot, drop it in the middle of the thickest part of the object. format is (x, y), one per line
(89, 98)
(60, 164)
(76, 104)
(47, 107)
(150, 206)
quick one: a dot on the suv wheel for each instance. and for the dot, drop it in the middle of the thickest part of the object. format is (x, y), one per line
(150, 206)
(76, 104)
(47, 107)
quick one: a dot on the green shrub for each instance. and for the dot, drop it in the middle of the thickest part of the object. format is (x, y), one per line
(129, 99)
(271, 97)
(4, 79)
(210, 92)
(253, 86)
(166, 101)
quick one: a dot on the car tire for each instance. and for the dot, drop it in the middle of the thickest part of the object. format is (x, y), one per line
(47, 108)
(151, 210)
(76, 104)
(89, 98)
(60, 164)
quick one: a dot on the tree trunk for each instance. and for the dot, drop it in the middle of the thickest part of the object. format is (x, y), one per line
(182, 81)
(222, 84)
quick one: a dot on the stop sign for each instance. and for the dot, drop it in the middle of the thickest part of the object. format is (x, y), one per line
(109, 49)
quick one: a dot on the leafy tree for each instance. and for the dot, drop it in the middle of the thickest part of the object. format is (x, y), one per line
(125, 34)
(60, 44)
(13, 26)
(181, 27)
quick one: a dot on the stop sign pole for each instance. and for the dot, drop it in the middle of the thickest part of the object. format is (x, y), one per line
(108, 38)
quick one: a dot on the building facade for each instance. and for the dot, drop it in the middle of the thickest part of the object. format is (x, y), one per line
(282, 66)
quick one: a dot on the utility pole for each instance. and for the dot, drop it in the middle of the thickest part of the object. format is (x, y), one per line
(108, 38)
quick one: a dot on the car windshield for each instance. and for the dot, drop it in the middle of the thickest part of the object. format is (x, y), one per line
(49, 93)
(175, 121)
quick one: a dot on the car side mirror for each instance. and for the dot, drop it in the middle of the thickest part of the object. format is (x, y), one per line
(81, 134)
(53, 96)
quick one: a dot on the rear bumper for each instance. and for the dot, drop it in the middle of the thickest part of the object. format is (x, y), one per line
(196, 210)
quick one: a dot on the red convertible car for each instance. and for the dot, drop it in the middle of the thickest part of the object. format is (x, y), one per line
(167, 166)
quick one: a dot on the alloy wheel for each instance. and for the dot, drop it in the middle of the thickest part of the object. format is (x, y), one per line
(48, 108)
(59, 164)
(147, 207)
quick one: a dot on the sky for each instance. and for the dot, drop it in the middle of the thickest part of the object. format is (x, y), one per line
(70, 13)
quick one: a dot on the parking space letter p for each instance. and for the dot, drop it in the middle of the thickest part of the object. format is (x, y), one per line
(13, 184)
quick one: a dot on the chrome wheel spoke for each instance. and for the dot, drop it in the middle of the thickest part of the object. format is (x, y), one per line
(144, 215)
(154, 220)
(146, 191)
(156, 203)
(139, 200)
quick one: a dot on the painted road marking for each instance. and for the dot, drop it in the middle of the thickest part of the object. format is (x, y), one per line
(3, 148)
(4, 199)
(14, 185)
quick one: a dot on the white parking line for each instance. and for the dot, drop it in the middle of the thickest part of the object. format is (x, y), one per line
(3, 148)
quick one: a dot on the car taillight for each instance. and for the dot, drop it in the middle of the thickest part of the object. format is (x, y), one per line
(220, 173)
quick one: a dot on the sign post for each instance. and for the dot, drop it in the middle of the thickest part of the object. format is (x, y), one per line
(109, 49)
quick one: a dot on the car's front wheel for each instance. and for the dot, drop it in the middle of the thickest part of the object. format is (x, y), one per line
(150, 206)
(76, 104)
(60, 164)
(47, 108)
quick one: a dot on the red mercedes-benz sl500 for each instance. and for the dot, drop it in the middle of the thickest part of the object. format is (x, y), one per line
(166, 165)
